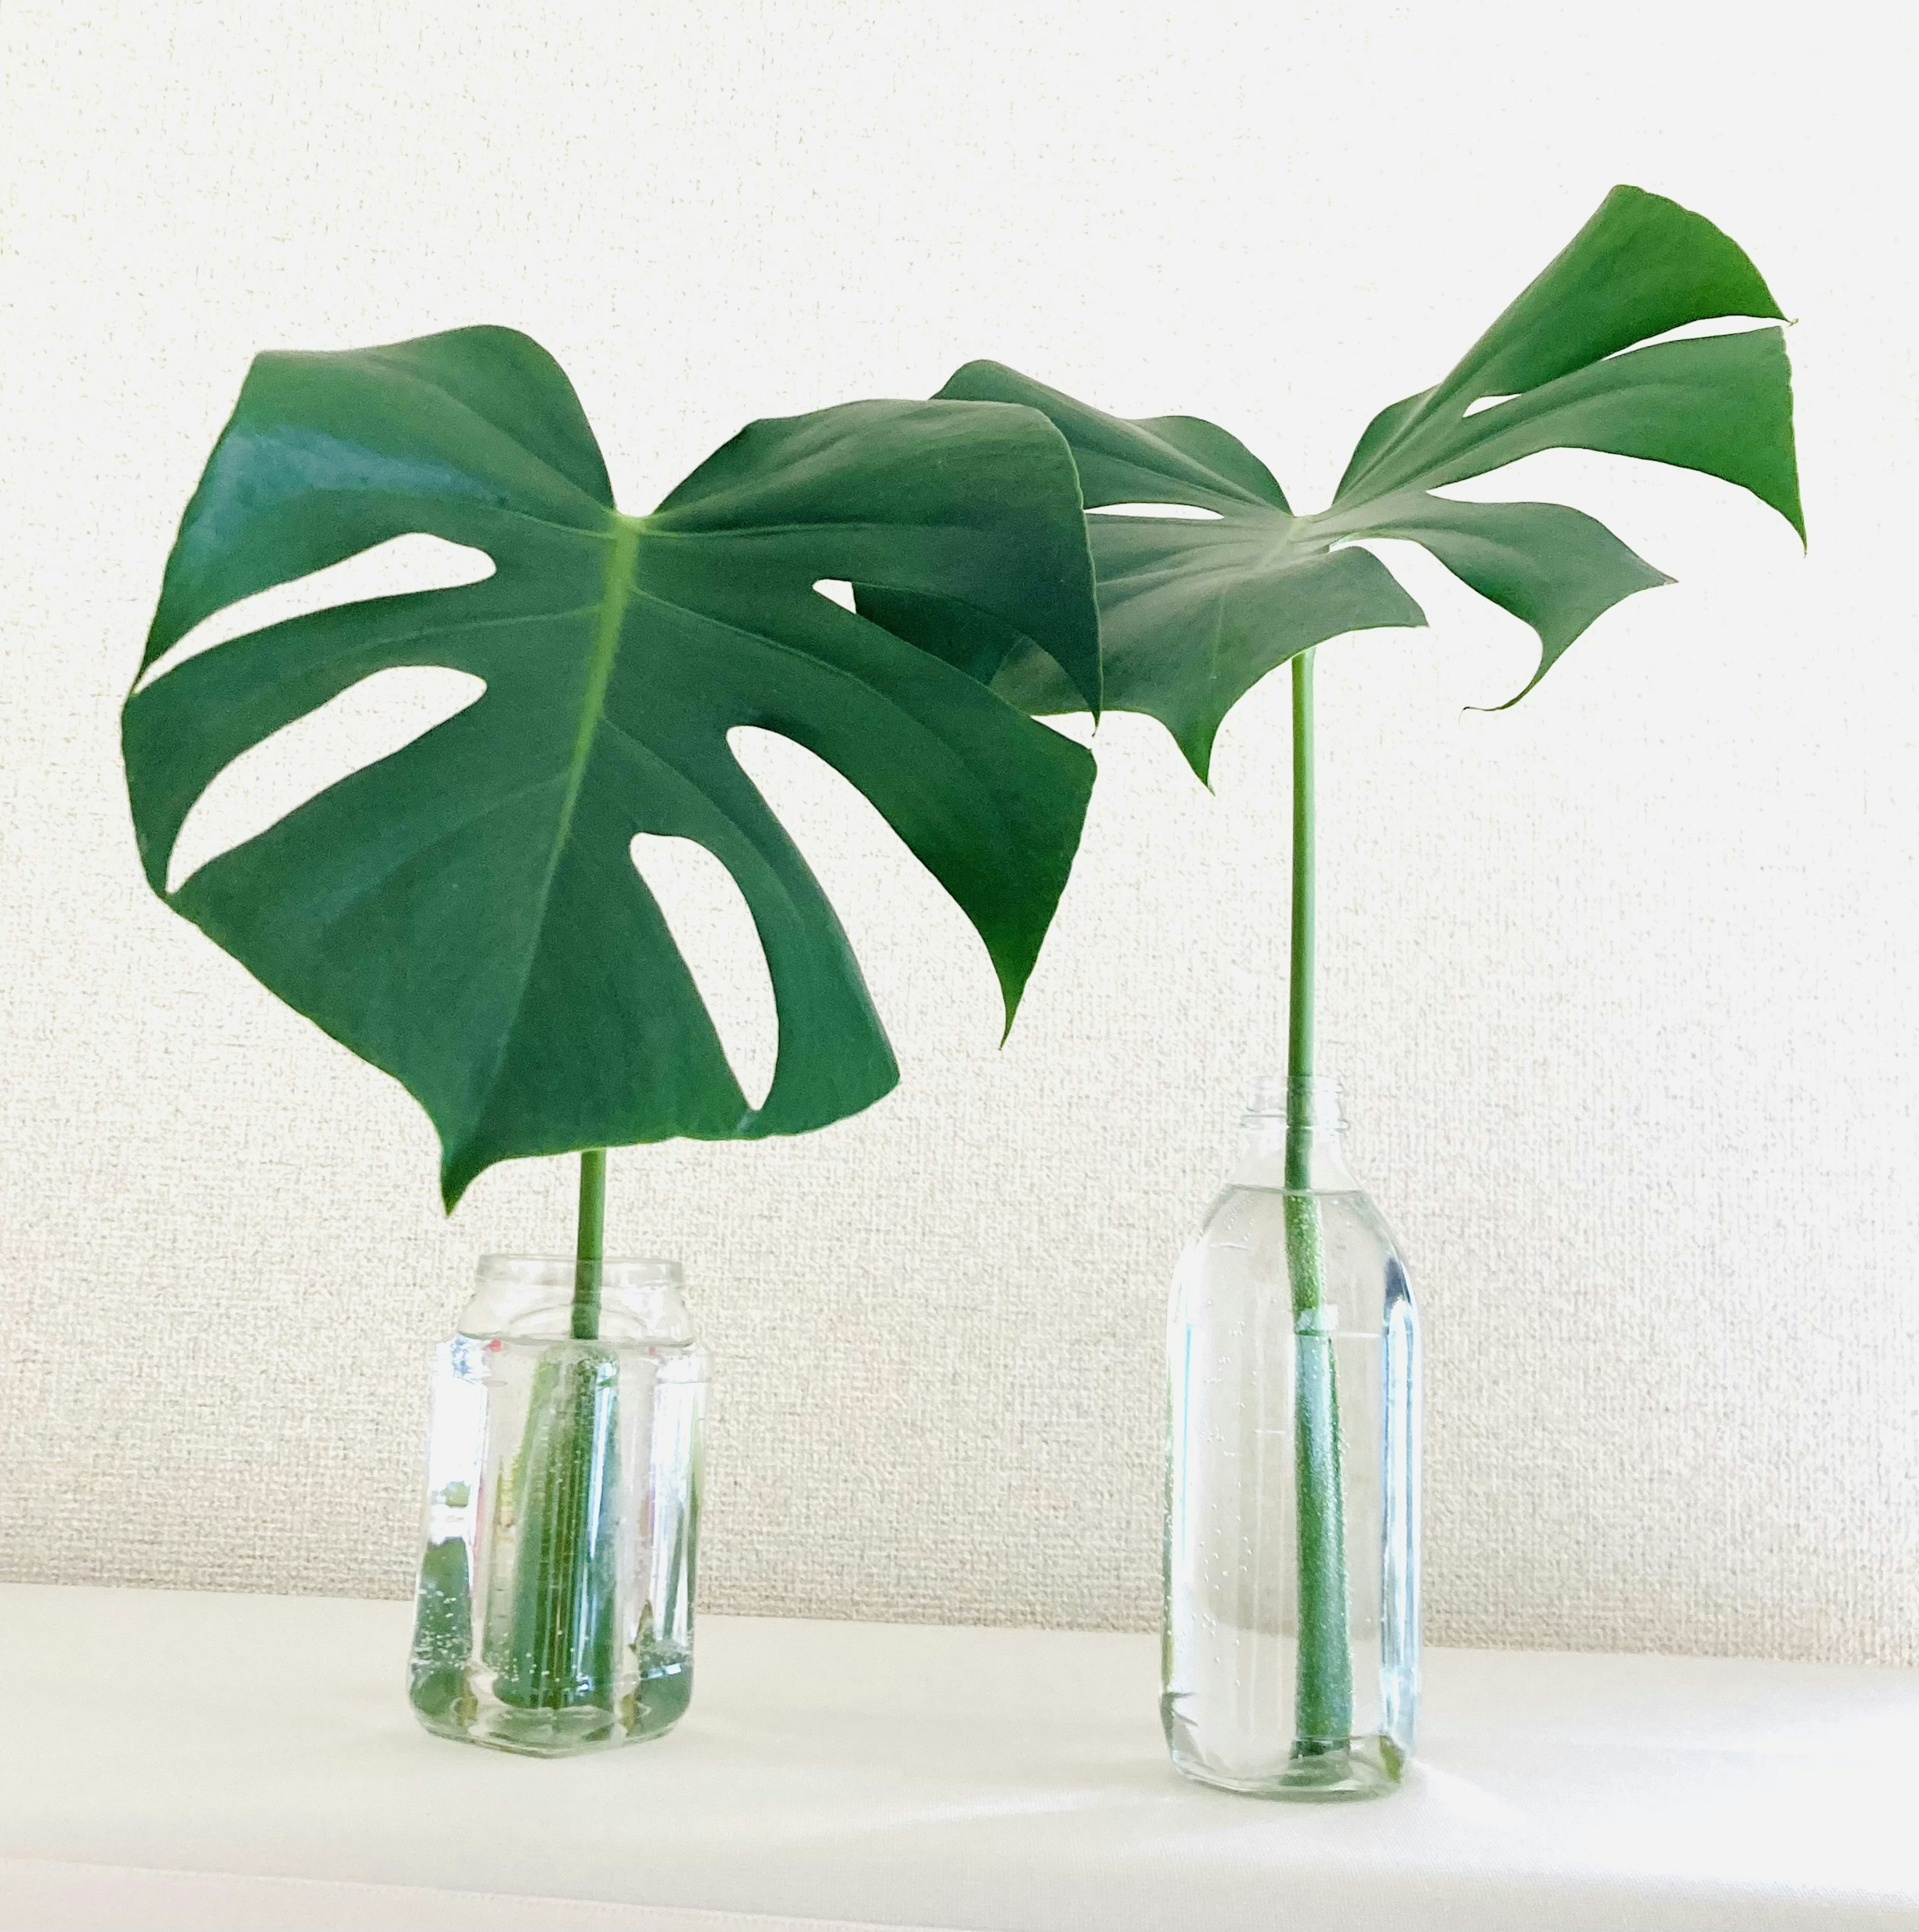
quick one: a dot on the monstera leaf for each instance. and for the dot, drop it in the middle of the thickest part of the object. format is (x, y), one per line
(465, 913)
(1193, 613)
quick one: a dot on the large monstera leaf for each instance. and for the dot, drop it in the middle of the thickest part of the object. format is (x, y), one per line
(1194, 613)
(465, 913)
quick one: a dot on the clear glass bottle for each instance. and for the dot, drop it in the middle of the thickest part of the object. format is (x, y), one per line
(555, 1608)
(1291, 1655)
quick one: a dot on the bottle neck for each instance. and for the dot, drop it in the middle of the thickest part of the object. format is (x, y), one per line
(1295, 1126)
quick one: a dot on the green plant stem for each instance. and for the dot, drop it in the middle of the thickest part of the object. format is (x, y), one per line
(1322, 1707)
(561, 1643)
(1305, 886)
(590, 1253)
(558, 1648)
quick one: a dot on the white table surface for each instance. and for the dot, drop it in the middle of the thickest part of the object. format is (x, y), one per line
(174, 1760)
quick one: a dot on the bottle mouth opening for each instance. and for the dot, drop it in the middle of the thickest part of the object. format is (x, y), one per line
(1301, 1100)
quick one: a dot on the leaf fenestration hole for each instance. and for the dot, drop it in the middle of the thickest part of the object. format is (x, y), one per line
(923, 964)
(400, 564)
(1692, 331)
(711, 924)
(837, 590)
(370, 721)
(1190, 513)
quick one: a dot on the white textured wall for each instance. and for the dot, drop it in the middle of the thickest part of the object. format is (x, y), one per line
(1620, 982)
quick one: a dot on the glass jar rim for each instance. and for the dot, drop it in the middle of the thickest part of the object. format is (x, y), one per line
(616, 1270)
(531, 1297)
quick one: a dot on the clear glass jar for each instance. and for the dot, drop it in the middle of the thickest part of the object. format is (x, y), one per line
(1291, 1655)
(555, 1608)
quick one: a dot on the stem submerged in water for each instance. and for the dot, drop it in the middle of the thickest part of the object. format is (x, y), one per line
(560, 1643)
(1322, 1707)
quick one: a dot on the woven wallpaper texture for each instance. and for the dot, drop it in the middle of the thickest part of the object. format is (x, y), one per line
(1619, 983)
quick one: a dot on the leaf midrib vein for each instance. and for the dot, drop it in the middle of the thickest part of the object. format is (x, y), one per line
(617, 587)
